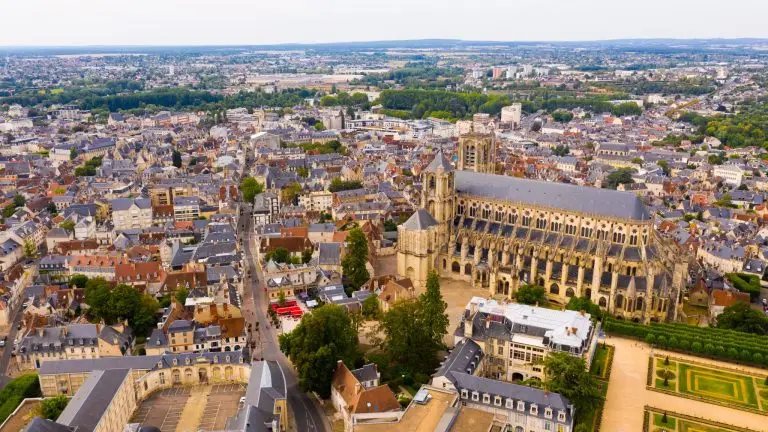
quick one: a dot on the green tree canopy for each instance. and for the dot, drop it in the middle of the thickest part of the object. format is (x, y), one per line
(78, 280)
(620, 176)
(249, 187)
(322, 338)
(568, 376)
(408, 338)
(338, 185)
(356, 256)
(742, 317)
(433, 309)
(371, 308)
(279, 255)
(585, 304)
(120, 302)
(531, 294)
(176, 159)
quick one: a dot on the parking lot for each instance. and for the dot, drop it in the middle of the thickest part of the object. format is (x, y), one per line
(165, 408)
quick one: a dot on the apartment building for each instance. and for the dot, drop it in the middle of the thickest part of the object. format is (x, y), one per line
(186, 209)
(129, 213)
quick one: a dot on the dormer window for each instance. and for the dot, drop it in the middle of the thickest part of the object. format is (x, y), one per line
(186, 360)
(561, 416)
(160, 364)
(497, 401)
(229, 360)
(548, 412)
(520, 406)
(475, 396)
(175, 362)
(510, 403)
(464, 394)
(534, 409)
(216, 359)
(486, 398)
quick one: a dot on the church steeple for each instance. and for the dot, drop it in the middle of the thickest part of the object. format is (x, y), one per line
(439, 192)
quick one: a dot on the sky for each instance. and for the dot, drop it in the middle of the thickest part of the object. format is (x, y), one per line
(234, 22)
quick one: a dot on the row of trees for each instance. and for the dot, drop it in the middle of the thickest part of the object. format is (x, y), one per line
(749, 127)
(338, 185)
(345, 99)
(715, 342)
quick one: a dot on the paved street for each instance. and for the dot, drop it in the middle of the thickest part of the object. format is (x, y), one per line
(5, 357)
(308, 415)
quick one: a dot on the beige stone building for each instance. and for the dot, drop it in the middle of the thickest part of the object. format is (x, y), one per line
(106, 393)
(500, 232)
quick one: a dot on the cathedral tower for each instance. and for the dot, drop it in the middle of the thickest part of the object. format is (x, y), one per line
(477, 151)
(438, 196)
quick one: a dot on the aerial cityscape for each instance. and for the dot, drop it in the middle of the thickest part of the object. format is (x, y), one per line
(402, 234)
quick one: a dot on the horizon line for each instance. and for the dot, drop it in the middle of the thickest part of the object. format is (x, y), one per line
(391, 41)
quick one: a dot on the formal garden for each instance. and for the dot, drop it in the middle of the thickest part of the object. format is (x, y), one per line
(708, 383)
(658, 420)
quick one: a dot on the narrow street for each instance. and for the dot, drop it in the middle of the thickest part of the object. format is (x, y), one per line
(308, 415)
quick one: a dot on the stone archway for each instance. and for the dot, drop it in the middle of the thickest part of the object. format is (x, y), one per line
(554, 289)
(202, 375)
(619, 301)
(517, 376)
(569, 293)
(456, 267)
(603, 302)
(468, 269)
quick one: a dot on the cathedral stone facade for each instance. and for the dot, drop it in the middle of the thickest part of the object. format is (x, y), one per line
(500, 232)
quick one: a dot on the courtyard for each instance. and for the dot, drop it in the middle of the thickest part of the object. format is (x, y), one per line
(457, 294)
(717, 385)
(188, 409)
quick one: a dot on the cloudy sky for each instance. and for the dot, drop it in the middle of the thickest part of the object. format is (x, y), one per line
(185, 22)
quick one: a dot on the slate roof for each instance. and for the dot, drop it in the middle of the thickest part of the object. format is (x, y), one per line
(439, 163)
(96, 393)
(603, 202)
(420, 220)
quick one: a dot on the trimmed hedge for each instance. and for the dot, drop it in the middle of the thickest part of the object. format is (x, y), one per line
(747, 283)
(25, 386)
(711, 342)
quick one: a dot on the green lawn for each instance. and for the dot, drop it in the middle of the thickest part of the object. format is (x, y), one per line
(680, 423)
(740, 390)
(600, 365)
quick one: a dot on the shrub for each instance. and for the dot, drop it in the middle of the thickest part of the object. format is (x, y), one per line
(650, 338)
(51, 408)
(696, 347)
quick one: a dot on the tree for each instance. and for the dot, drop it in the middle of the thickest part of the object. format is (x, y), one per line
(531, 294)
(122, 302)
(638, 161)
(561, 150)
(568, 376)
(585, 304)
(278, 255)
(338, 185)
(281, 298)
(51, 207)
(408, 339)
(741, 317)
(371, 308)
(181, 295)
(249, 187)
(78, 280)
(68, 225)
(19, 201)
(306, 256)
(433, 309)
(302, 172)
(322, 338)
(319, 126)
(51, 408)
(176, 159)
(620, 176)
(664, 165)
(353, 264)
(72, 154)
(290, 193)
(30, 249)
(561, 116)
